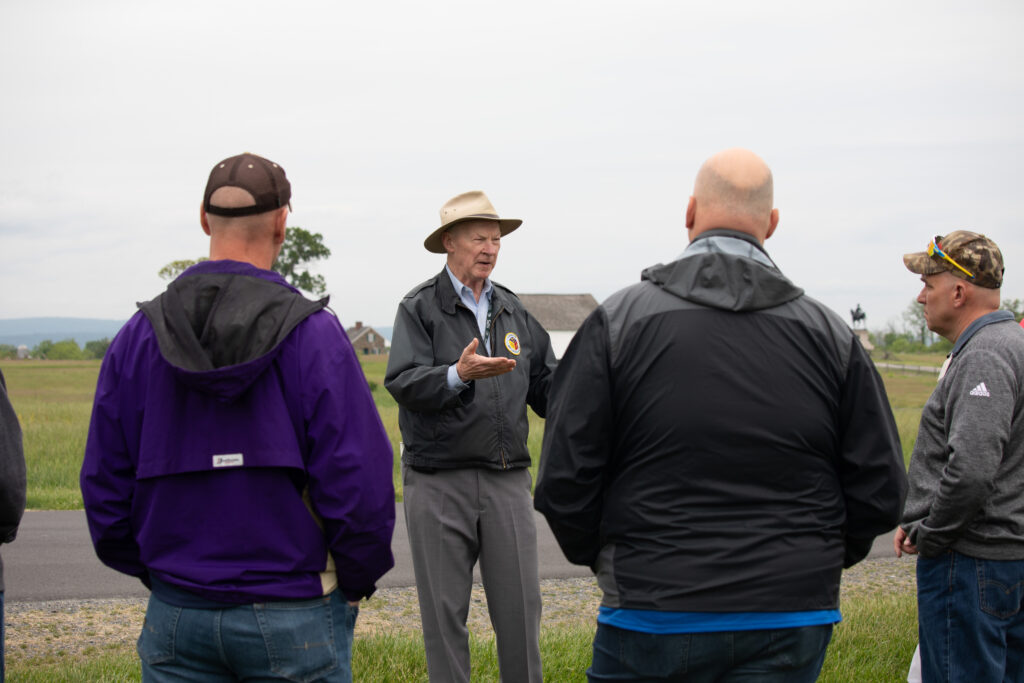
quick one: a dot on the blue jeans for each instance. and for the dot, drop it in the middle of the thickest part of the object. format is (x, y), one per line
(786, 655)
(970, 620)
(294, 640)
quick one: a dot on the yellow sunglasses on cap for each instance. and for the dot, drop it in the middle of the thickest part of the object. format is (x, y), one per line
(933, 249)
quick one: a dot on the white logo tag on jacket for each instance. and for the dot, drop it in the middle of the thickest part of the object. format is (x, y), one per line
(228, 460)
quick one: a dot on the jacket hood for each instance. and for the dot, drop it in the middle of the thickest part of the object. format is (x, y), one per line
(220, 324)
(724, 269)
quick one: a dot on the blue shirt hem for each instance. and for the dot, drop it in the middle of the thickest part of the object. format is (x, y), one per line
(651, 621)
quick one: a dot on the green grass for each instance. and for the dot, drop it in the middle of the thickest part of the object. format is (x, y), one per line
(908, 393)
(390, 659)
(875, 640)
(53, 400)
(112, 665)
(873, 643)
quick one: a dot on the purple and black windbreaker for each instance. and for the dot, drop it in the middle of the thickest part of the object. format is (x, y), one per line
(234, 450)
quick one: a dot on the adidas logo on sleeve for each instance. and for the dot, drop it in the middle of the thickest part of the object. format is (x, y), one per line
(980, 390)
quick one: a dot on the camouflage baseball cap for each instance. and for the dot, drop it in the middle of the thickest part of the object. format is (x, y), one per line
(965, 252)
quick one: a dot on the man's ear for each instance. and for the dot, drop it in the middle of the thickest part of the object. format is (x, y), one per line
(447, 241)
(691, 213)
(773, 222)
(202, 218)
(279, 226)
(959, 293)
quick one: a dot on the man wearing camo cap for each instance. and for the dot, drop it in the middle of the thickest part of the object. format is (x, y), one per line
(964, 512)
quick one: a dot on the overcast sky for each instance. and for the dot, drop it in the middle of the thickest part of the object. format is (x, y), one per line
(885, 123)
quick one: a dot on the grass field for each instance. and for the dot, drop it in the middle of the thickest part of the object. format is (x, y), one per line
(53, 400)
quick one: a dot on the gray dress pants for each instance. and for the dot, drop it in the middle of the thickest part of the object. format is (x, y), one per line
(455, 517)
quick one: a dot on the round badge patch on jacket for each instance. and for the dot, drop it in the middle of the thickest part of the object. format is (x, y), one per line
(512, 343)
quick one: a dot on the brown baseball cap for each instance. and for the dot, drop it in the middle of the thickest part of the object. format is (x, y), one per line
(260, 177)
(965, 254)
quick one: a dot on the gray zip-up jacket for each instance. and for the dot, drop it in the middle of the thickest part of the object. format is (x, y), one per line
(967, 470)
(484, 425)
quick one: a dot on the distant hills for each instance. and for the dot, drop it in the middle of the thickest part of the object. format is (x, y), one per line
(31, 331)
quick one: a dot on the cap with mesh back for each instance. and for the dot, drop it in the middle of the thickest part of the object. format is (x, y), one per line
(262, 178)
(975, 252)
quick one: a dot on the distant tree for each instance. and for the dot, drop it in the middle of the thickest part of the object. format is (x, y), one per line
(300, 247)
(176, 268)
(915, 324)
(96, 348)
(891, 340)
(7, 351)
(904, 344)
(42, 349)
(1015, 306)
(66, 349)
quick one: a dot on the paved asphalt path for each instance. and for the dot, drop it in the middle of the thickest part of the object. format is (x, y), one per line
(53, 559)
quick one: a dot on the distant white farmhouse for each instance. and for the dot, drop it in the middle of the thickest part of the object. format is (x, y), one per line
(560, 314)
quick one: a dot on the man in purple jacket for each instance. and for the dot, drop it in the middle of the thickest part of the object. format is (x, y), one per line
(236, 462)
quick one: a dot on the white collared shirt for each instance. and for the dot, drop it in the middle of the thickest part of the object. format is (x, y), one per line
(479, 309)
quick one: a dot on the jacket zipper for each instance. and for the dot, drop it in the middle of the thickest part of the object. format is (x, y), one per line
(497, 390)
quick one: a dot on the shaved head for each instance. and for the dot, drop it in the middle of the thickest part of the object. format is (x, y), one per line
(734, 190)
(255, 239)
(250, 228)
(736, 178)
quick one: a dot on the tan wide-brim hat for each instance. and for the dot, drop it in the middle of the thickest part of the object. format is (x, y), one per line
(467, 206)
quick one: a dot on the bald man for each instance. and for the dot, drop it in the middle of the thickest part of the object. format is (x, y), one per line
(718, 448)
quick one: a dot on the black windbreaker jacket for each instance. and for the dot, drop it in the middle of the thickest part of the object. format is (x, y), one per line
(485, 424)
(717, 441)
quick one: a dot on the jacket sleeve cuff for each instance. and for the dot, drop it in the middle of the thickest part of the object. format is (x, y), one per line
(927, 543)
(455, 382)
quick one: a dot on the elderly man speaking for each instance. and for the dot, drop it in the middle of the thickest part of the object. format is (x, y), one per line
(466, 359)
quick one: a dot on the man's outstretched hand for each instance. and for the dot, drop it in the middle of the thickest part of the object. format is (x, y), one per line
(472, 366)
